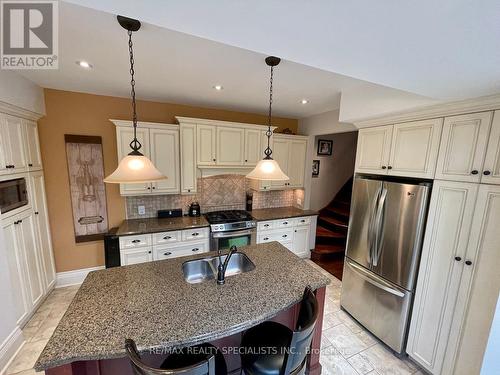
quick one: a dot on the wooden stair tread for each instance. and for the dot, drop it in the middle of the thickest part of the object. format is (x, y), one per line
(328, 249)
(342, 211)
(323, 232)
(334, 221)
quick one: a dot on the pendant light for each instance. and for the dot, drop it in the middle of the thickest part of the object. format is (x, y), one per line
(268, 169)
(135, 167)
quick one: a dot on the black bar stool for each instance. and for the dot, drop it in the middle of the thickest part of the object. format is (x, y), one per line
(204, 359)
(273, 349)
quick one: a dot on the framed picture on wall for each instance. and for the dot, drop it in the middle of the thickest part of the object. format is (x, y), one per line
(315, 169)
(325, 147)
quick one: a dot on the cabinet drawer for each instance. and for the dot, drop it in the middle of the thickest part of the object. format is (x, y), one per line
(166, 237)
(168, 252)
(135, 256)
(266, 225)
(195, 234)
(130, 242)
(280, 236)
(285, 223)
(303, 221)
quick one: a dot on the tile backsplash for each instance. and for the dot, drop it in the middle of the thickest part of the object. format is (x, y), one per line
(222, 192)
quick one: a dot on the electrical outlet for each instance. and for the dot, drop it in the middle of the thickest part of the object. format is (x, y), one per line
(141, 210)
(299, 201)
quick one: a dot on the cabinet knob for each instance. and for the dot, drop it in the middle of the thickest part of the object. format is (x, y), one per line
(284, 236)
(213, 159)
(266, 225)
(30, 165)
(195, 249)
(154, 187)
(149, 252)
(265, 238)
(384, 167)
(389, 167)
(458, 259)
(195, 234)
(468, 262)
(136, 241)
(486, 173)
(167, 237)
(189, 190)
(36, 212)
(167, 253)
(474, 172)
(246, 161)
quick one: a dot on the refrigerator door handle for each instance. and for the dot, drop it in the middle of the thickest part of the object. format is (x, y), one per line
(378, 226)
(375, 281)
(372, 226)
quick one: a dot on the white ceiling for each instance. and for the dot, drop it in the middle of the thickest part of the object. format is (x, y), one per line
(176, 67)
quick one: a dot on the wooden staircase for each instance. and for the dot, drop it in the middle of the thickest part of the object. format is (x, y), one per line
(331, 231)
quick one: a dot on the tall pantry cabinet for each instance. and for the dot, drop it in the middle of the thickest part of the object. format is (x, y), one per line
(28, 244)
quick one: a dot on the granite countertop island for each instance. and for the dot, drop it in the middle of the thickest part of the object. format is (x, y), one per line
(264, 214)
(155, 225)
(153, 304)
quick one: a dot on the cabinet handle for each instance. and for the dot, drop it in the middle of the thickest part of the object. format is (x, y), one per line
(266, 225)
(458, 259)
(30, 165)
(36, 212)
(474, 172)
(266, 238)
(468, 262)
(285, 223)
(195, 234)
(389, 167)
(167, 237)
(384, 167)
(302, 221)
(167, 253)
(284, 236)
(195, 249)
(136, 241)
(486, 173)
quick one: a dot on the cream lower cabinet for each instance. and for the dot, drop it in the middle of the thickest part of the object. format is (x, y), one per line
(407, 149)
(458, 281)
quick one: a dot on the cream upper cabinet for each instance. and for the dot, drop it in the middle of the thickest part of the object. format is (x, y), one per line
(296, 163)
(32, 145)
(281, 153)
(373, 150)
(188, 158)
(491, 168)
(414, 148)
(440, 275)
(481, 264)
(463, 147)
(230, 146)
(164, 147)
(206, 141)
(124, 136)
(253, 150)
(13, 146)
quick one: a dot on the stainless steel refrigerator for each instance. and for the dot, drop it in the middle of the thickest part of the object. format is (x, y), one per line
(383, 252)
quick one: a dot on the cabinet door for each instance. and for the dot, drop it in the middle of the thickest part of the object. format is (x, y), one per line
(164, 146)
(442, 262)
(374, 146)
(296, 163)
(301, 241)
(414, 148)
(462, 148)
(230, 146)
(17, 269)
(479, 297)
(4, 145)
(28, 238)
(32, 146)
(188, 159)
(206, 144)
(135, 256)
(15, 139)
(281, 153)
(124, 136)
(253, 152)
(39, 202)
(491, 169)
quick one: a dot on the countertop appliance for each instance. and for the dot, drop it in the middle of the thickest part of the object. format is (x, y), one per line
(194, 209)
(13, 194)
(232, 227)
(383, 252)
(167, 214)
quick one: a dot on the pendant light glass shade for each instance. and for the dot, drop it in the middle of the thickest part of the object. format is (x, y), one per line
(135, 169)
(268, 170)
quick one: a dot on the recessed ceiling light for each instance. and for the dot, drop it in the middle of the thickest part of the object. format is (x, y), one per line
(304, 101)
(218, 87)
(84, 64)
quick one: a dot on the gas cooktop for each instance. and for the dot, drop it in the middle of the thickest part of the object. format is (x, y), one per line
(230, 220)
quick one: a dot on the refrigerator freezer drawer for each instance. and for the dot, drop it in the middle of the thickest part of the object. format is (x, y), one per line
(380, 306)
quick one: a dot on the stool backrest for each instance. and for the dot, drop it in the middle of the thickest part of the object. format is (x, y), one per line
(206, 367)
(303, 332)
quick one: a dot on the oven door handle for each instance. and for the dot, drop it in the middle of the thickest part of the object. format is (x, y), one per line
(232, 234)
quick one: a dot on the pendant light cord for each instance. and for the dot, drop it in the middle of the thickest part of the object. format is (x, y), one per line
(268, 152)
(135, 144)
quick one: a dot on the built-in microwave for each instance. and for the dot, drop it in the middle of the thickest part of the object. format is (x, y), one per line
(13, 194)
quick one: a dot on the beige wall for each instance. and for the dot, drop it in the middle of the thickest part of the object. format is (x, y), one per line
(85, 114)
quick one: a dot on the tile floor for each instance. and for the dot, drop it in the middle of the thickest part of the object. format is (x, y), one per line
(347, 348)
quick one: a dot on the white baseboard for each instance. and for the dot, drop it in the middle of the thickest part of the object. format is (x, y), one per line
(74, 277)
(10, 347)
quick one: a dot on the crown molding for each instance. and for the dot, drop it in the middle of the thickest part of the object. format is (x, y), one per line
(484, 103)
(14, 110)
(145, 124)
(202, 121)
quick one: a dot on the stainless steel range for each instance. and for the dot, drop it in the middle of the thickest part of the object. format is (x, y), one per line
(232, 227)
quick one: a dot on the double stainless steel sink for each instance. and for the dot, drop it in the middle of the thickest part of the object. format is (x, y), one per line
(200, 270)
